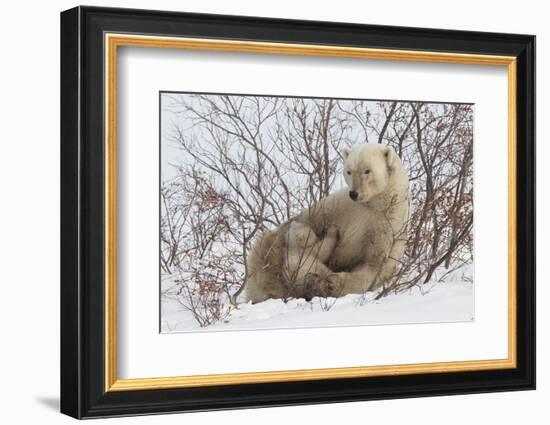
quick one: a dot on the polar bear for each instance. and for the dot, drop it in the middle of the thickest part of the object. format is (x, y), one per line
(371, 216)
(305, 255)
(288, 262)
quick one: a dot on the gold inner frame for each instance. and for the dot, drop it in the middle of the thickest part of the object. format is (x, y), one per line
(113, 41)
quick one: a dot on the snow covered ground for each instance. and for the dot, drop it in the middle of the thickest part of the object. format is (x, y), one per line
(451, 300)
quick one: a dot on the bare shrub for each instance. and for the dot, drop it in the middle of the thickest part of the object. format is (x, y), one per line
(438, 153)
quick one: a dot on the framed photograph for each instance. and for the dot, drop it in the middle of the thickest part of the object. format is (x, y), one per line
(261, 212)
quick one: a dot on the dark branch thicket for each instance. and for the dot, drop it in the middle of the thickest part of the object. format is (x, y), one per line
(243, 164)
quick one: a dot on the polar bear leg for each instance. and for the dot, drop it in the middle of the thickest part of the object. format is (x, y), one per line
(358, 281)
(324, 248)
(310, 281)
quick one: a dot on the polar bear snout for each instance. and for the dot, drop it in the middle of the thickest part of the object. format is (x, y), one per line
(353, 195)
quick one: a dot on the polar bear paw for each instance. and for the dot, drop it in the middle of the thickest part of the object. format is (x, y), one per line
(316, 285)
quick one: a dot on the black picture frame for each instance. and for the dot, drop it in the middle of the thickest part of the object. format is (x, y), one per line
(83, 392)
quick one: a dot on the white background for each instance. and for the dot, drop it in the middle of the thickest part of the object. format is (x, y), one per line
(143, 352)
(29, 175)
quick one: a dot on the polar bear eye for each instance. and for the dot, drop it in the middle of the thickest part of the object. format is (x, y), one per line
(349, 172)
(367, 171)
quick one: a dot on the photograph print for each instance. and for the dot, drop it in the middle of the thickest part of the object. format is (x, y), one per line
(296, 212)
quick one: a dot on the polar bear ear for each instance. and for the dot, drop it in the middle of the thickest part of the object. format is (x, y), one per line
(345, 153)
(391, 157)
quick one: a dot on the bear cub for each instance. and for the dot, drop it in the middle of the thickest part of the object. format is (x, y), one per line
(305, 269)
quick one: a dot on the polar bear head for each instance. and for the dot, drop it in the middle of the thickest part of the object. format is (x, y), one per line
(367, 169)
(300, 235)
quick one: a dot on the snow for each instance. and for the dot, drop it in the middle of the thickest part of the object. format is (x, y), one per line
(451, 300)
